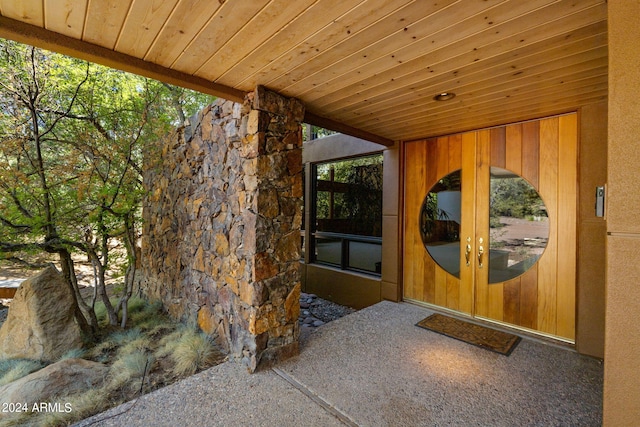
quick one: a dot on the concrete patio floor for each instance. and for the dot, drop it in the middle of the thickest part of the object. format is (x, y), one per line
(376, 368)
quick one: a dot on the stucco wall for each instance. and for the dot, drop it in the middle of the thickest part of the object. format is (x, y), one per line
(622, 329)
(592, 231)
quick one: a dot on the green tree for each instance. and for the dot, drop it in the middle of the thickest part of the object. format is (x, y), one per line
(356, 194)
(73, 136)
(310, 132)
(514, 197)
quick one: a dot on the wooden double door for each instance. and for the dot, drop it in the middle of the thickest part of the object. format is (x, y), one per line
(490, 224)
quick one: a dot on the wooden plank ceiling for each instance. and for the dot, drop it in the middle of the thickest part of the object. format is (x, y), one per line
(373, 65)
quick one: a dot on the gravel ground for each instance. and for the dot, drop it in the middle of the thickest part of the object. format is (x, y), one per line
(315, 311)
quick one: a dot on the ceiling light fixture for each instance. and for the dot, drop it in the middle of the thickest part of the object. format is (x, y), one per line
(444, 96)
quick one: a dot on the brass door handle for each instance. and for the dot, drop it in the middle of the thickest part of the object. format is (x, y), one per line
(480, 256)
(467, 254)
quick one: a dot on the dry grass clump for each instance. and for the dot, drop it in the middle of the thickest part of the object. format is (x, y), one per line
(84, 405)
(14, 369)
(128, 368)
(108, 346)
(76, 353)
(139, 344)
(189, 350)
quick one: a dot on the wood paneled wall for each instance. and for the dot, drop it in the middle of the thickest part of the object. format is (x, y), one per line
(544, 152)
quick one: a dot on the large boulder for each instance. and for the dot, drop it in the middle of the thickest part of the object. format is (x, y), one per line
(69, 376)
(41, 324)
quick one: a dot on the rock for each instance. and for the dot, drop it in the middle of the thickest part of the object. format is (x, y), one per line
(318, 323)
(68, 376)
(40, 324)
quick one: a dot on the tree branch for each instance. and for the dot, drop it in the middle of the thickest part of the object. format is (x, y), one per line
(52, 246)
(14, 196)
(5, 221)
(69, 107)
(27, 264)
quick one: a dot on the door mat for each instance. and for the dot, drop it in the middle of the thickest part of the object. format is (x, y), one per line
(490, 339)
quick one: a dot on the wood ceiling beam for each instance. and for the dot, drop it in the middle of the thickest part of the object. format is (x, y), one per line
(56, 42)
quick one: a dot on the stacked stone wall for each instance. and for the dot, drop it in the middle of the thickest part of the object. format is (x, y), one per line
(222, 224)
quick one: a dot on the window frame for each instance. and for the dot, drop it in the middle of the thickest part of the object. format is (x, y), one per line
(344, 238)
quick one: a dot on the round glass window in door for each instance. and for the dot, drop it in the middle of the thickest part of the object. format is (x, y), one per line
(440, 222)
(518, 226)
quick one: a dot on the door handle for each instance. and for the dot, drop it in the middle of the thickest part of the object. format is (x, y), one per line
(467, 252)
(480, 256)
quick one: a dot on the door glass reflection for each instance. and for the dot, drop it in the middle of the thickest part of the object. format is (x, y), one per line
(440, 222)
(518, 226)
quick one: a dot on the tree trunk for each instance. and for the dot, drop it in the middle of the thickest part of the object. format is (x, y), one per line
(130, 244)
(101, 288)
(82, 310)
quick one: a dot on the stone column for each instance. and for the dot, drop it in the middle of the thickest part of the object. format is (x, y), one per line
(270, 300)
(222, 224)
